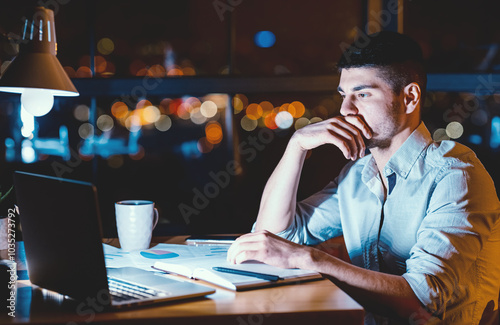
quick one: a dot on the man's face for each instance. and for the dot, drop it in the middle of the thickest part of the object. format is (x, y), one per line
(371, 98)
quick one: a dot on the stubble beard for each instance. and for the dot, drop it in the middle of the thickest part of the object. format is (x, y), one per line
(382, 138)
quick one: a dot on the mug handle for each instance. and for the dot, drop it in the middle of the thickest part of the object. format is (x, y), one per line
(156, 217)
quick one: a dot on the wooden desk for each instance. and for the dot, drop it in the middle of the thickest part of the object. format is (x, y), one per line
(315, 302)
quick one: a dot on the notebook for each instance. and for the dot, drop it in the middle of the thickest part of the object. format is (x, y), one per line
(64, 252)
(204, 268)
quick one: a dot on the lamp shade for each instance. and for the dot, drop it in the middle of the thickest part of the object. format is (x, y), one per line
(36, 66)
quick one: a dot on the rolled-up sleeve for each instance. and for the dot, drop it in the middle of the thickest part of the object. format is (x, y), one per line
(317, 218)
(460, 217)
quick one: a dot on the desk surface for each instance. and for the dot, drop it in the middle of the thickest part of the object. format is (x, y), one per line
(312, 302)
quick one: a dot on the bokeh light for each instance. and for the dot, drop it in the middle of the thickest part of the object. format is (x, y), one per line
(267, 107)
(208, 109)
(164, 123)
(264, 39)
(143, 103)
(157, 71)
(297, 109)
(150, 114)
(213, 132)
(454, 130)
(270, 122)
(316, 120)
(440, 134)
(82, 112)
(240, 102)
(105, 46)
(100, 64)
(84, 72)
(248, 124)
(86, 130)
(301, 122)
(105, 123)
(119, 110)
(184, 111)
(254, 111)
(284, 120)
(204, 146)
(133, 122)
(197, 116)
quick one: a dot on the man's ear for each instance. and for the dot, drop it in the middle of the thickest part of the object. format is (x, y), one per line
(412, 97)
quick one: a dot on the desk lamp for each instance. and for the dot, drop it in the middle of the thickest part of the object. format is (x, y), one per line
(36, 73)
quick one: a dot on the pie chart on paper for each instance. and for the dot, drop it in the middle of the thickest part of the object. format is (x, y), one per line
(158, 254)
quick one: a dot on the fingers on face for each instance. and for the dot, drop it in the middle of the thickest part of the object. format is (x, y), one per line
(358, 121)
(347, 137)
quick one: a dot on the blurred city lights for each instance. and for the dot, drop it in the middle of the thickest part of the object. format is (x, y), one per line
(297, 109)
(440, 134)
(151, 114)
(204, 146)
(197, 117)
(475, 139)
(86, 130)
(157, 71)
(28, 154)
(301, 122)
(100, 64)
(143, 103)
(105, 46)
(240, 102)
(248, 124)
(133, 123)
(105, 123)
(495, 132)
(454, 130)
(213, 132)
(84, 72)
(164, 123)
(270, 122)
(316, 120)
(208, 109)
(284, 120)
(254, 111)
(264, 39)
(183, 111)
(119, 110)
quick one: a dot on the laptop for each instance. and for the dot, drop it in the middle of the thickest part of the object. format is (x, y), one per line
(64, 253)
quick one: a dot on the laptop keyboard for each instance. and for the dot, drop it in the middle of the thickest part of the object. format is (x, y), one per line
(124, 291)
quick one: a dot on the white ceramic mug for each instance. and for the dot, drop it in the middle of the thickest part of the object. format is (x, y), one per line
(135, 221)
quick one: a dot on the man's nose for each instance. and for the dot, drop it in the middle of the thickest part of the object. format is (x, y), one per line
(348, 107)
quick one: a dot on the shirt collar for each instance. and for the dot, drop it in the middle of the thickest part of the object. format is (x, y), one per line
(405, 157)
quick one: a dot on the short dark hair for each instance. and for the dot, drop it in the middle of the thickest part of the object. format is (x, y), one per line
(398, 57)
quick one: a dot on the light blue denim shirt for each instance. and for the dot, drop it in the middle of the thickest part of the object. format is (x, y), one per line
(438, 226)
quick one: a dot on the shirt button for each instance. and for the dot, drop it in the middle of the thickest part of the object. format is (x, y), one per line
(403, 173)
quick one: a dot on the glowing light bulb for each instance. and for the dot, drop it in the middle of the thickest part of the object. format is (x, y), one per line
(37, 102)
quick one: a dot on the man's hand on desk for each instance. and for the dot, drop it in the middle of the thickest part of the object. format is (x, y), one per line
(266, 247)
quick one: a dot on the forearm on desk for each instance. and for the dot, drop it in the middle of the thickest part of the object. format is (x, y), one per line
(384, 294)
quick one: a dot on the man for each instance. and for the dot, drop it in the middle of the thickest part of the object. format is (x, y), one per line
(420, 218)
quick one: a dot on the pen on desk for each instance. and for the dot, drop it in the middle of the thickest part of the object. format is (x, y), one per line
(264, 276)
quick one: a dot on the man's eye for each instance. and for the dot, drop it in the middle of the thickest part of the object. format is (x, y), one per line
(362, 95)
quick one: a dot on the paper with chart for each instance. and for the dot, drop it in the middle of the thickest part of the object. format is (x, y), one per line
(145, 259)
